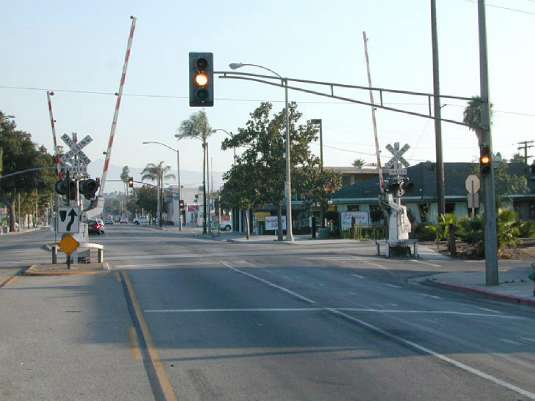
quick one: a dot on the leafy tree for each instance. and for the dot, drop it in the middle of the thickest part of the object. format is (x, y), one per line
(20, 153)
(359, 163)
(518, 158)
(198, 127)
(263, 141)
(146, 198)
(158, 173)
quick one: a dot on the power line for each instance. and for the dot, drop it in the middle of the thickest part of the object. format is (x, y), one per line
(516, 10)
(230, 99)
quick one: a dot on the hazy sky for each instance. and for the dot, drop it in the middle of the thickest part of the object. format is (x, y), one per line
(79, 45)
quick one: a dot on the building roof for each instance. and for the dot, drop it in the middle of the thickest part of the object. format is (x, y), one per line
(423, 179)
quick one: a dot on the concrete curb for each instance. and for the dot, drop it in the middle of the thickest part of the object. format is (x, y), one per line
(486, 294)
(30, 271)
(14, 234)
(19, 272)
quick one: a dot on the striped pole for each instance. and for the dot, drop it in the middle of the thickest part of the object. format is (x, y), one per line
(53, 125)
(117, 105)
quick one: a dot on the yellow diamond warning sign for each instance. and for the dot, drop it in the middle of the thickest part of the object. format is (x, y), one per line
(68, 244)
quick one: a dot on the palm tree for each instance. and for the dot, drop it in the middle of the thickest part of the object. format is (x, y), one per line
(359, 163)
(157, 172)
(125, 175)
(472, 115)
(197, 126)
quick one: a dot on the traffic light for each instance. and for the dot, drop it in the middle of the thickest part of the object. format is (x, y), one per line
(201, 80)
(89, 188)
(485, 160)
(130, 182)
(66, 187)
(181, 204)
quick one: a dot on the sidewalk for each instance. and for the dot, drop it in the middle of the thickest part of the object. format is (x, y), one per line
(515, 286)
(69, 338)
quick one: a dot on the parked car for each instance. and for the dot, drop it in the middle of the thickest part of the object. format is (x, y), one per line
(225, 225)
(124, 220)
(141, 221)
(108, 220)
(94, 227)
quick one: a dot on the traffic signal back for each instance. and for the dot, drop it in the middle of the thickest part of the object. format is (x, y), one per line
(201, 79)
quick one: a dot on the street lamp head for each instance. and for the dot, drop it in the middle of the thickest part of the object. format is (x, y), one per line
(235, 66)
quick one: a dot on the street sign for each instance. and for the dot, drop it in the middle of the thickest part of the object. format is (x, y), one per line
(472, 184)
(392, 171)
(68, 244)
(473, 200)
(75, 159)
(272, 223)
(395, 166)
(69, 220)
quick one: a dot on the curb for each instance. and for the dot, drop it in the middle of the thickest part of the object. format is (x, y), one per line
(28, 272)
(19, 272)
(487, 294)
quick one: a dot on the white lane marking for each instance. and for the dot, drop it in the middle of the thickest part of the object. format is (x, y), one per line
(410, 343)
(507, 341)
(375, 264)
(442, 357)
(429, 296)
(163, 264)
(488, 309)
(425, 263)
(393, 286)
(528, 339)
(346, 309)
(286, 290)
(357, 276)
(232, 310)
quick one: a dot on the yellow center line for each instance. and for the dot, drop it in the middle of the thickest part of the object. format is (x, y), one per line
(154, 355)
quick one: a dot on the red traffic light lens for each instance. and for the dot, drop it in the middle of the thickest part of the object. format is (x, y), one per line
(202, 63)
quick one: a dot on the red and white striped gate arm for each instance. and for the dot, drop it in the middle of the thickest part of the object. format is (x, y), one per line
(53, 125)
(117, 105)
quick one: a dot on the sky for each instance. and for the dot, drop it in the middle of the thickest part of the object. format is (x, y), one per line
(74, 45)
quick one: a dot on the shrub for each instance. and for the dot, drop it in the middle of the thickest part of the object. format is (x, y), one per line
(442, 226)
(527, 229)
(425, 232)
(470, 230)
(508, 229)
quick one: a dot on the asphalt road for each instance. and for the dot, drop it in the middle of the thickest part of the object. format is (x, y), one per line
(227, 321)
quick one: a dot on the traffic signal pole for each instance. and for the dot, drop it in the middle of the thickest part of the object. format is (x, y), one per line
(485, 139)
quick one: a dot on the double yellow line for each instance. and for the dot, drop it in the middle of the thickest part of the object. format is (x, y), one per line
(150, 354)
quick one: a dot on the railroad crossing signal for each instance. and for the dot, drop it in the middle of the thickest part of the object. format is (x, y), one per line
(395, 165)
(201, 79)
(75, 159)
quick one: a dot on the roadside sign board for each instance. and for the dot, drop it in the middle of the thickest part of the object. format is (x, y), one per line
(68, 244)
(360, 219)
(272, 223)
(69, 220)
(472, 183)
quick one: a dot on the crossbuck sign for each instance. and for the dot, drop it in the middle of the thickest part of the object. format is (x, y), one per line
(397, 165)
(75, 160)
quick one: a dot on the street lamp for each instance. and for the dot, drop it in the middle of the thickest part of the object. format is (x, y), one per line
(229, 134)
(288, 189)
(177, 178)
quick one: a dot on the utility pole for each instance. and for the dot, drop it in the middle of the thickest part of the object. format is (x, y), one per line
(485, 140)
(437, 112)
(204, 148)
(525, 145)
(374, 120)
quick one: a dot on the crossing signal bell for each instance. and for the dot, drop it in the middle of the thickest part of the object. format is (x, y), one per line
(201, 79)
(89, 188)
(485, 160)
(130, 182)
(66, 187)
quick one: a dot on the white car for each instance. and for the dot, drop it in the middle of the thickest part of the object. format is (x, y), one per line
(143, 221)
(124, 220)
